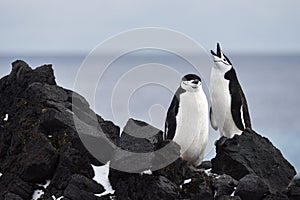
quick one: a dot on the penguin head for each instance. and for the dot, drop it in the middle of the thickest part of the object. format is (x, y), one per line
(221, 61)
(191, 83)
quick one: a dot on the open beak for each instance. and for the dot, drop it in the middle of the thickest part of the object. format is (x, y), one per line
(219, 52)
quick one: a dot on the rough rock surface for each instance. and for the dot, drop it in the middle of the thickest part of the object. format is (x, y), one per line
(38, 139)
(251, 187)
(137, 145)
(224, 185)
(136, 186)
(42, 127)
(294, 189)
(277, 196)
(200, 187)
(251, 153)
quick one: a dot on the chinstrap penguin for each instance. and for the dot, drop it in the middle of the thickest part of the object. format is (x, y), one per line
(187, 119)
(229, 111)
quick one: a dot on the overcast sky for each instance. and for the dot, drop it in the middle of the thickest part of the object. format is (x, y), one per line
(56, 26)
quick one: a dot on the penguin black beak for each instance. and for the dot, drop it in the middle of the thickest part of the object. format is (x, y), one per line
(213, 53)
(219, 52)
(195, 82)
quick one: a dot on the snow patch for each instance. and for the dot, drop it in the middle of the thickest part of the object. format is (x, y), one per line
(45, 185)
(5, 118)
(38, 193)
(187, 181)
(208, 172)
(59, 198)
(101, 177)
(148, 172)
(1, 174)
(233, 193)
(215, 194)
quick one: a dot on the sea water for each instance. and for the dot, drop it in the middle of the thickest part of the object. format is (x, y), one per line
(270, 83)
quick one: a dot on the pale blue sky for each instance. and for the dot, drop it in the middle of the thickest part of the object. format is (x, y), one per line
(35, 26)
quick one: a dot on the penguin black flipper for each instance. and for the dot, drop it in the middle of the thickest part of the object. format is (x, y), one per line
(239, 107)
(246, 115)
(170, 124)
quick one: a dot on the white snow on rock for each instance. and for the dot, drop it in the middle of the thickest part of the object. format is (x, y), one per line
(148, 172)
(187, 181)
(101, 177)
(38, 193)
(208, 172)
(233, 193)
(5, 118)
(59, 198)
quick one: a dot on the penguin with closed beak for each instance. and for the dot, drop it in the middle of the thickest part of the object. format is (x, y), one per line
(187, 119)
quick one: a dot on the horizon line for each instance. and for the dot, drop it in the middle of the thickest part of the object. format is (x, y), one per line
(84, 54)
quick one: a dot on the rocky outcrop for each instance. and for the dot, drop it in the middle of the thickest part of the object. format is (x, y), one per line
(38, 138)
(40, 142)
(251, 153)
(245, 167)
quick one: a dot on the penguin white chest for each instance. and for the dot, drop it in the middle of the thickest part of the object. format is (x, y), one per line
(192, 125)
(221, 104)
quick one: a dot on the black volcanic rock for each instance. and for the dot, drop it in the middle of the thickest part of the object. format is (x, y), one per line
(164, 183)
(42, 138)
(81, 187)
(139, 137)
(11, 183)
(223, 185)
(228, 197)
(251, 153)
(294, 189)
(277, 196)
(71, 161)
(178, 171)
(136, 153)
(11, 196)
(200, 187)
(136, 147)
(251, 187)
(84, 183)
(205, 165)
(147, 187)
(23, 75)
(39, 159)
